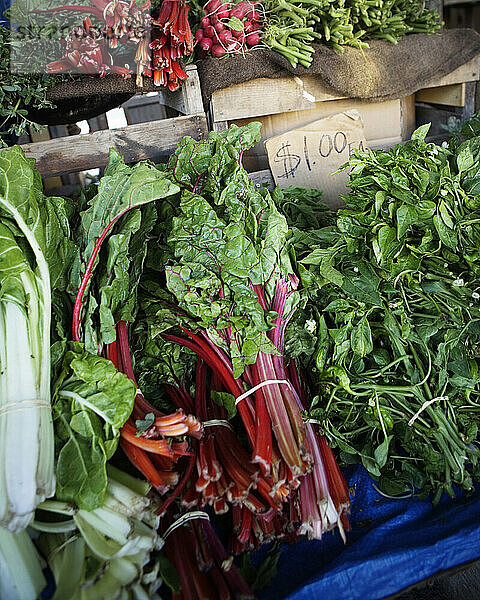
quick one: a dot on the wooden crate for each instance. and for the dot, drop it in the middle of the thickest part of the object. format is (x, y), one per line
(290, 102)
(153, 140)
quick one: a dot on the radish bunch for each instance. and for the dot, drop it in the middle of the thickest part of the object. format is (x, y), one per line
(228, 29)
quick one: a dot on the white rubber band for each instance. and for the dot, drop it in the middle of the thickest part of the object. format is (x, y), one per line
(19, 405)
(423, 407)
(258, 386)
(220, 422)
(195, 514)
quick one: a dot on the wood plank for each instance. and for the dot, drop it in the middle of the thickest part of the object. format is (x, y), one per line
(407, 116)
(247, 100)
(188, 99)
(470, 96)
(192, 92)
(137, 142)
(448, 95)
(468, 72)
(453, 2)
(264, 96)
(41, 136)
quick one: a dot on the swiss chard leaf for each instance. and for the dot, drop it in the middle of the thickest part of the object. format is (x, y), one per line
(92, 402)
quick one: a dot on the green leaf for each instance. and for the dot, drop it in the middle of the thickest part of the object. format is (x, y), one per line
(446, 235)
(465, 158)
(260, 576)
(226, 400)
(406, 217)
(143, 424)
(446, 218)
(93, 401)
(121, 189)
(168, 573)
(381, 452)
(361, 338)
(420, 133)
(235, 24)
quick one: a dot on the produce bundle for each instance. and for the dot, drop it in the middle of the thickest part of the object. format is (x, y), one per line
(34, 248)
(292, 25)
(395, 325)
(227, 29)
(234, 324)
(161, 39)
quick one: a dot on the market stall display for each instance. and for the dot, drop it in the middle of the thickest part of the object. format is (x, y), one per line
(233, 390)
(215, 333)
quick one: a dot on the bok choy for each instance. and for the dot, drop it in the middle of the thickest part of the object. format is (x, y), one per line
(34, 252)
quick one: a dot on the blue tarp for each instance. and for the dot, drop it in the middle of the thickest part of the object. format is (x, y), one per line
(4, 4)
(393, 544)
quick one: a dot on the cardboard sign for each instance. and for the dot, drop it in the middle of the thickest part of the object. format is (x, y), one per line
(310, 155)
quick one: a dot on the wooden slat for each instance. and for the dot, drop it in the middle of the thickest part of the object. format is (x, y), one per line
(248, 100)
(187, 100)
(41, 136)
(452, 2)
(407, 116)
(137, 142)
(448, 95)
(255, 98)
(468, 72)
(191, 92)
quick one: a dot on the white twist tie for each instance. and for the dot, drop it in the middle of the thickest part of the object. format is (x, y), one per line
(258, 386)
(424, 406)
(219, 422)
(194, 514)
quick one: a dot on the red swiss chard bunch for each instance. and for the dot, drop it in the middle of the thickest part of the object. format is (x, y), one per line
(160, 42)
(227, 293)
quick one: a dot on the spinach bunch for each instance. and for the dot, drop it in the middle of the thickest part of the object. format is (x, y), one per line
(396, 318)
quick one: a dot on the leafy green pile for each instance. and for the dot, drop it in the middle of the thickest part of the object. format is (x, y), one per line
(396, 359)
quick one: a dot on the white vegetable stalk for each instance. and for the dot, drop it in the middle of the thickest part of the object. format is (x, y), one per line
(21, 576)
(108, 554)
(26, 429)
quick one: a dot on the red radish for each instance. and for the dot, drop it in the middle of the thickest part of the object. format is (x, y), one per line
(209, 31)
(213, 19)
(254, 14)
(218, 51)
(206, 44)
(211, 6)
(248, 26)
(205, 22)
(219, 27)
(233, 46)
(241, 9)
(239, 35)
(256, 27)
(223, 12)
(253, 38)
(225, 37)
(199, 35)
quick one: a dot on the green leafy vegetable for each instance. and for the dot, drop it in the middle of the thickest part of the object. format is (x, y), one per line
(92, 402)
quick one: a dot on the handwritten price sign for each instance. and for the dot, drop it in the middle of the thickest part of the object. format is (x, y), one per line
(310, 155)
